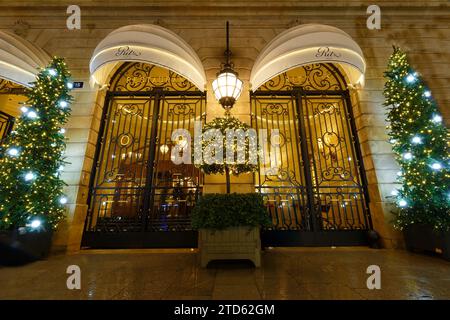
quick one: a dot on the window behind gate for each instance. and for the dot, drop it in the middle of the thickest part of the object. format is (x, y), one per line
(318, 183)
(136, 188)
(11, 97)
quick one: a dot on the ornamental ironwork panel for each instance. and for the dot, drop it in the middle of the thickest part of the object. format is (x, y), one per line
(319, 183)
(120, 174)
(335, 166)
(175, 188)
(6, 124)
(8, 87)
(136, 187)
(312, 77)
(142, 77)
(282, 186)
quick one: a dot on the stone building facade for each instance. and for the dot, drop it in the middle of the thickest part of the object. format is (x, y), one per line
(422, 28)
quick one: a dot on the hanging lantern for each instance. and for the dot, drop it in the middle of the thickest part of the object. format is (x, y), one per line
(227, 87)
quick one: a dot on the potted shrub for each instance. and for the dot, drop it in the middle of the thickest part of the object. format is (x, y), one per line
(420, 142)
(31, 161)
(229, 223)
(229, 226)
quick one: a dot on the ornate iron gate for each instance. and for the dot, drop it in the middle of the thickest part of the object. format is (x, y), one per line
(317, 194)
(138, 196)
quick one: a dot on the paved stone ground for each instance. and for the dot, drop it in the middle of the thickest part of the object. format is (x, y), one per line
(298, 273)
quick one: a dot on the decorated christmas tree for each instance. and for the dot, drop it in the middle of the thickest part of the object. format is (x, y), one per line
(31, 158)
(242, 159)
(420, 142)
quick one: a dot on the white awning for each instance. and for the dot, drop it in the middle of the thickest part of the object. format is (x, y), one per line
(307, 44)
(20, 60)
(146, 43)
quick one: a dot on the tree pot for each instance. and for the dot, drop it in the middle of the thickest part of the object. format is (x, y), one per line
(231, 243)
(18, 247)
(422, 237)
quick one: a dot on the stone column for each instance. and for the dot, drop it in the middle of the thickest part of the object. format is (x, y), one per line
(81, 132)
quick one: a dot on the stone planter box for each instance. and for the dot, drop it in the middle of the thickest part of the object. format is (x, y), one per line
(420, 237)
(230, 243)
(18, 248)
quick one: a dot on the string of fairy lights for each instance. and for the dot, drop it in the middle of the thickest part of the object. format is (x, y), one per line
(420, 141)
(32, 156)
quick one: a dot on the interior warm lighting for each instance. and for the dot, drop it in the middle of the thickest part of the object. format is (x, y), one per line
(164, 148)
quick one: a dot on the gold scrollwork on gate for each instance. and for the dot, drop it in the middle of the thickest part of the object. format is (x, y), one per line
(314, 77)
(181, 109)
(8, 87)
(141, 77)
(326, 108)
(131, 109)
(125, 140)
(275, 109)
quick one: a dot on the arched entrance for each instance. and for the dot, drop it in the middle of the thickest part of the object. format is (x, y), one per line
(317, 193)
(138, 197)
